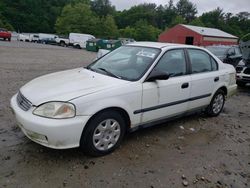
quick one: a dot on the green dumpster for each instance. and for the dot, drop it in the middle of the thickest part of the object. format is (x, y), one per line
(112, 44)
(94, 45)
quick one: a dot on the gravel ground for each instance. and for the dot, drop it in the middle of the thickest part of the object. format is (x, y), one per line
(194, 151)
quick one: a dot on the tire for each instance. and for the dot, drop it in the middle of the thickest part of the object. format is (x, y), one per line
(103, 133)
(9, 39)
(62, 44)
(217, 103)
(78, 46)
(240, 84)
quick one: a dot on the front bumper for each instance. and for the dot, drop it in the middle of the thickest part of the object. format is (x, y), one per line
(52, 133)
(243, 78)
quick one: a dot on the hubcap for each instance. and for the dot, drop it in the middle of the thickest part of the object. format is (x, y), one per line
(218, 103)
(106, 134)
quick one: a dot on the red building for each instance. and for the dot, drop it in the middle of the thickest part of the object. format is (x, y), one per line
(199, 36)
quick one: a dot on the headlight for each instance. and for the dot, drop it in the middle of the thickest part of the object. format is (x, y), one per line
(56, 110)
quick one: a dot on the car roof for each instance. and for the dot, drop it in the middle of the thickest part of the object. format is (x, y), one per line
(150, 44)
(161, 45)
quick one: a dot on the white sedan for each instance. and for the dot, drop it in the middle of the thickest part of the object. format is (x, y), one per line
(137, 85)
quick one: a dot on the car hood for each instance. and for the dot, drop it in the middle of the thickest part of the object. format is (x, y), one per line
(67, 85)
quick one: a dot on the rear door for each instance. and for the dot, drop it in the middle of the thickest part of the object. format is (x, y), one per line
(166, 98)
(204, 77)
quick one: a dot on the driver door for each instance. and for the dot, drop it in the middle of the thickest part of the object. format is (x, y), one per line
(165, 98)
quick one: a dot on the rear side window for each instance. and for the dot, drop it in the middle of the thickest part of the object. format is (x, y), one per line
(201, 61)
(213, 64)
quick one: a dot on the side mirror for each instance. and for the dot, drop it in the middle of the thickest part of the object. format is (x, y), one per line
(157, 75)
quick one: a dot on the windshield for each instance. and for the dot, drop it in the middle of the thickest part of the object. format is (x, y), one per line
(218, 51)
(126, 62)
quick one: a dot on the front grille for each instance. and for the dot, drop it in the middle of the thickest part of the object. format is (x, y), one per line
(239, 69)
(246, 77)
(247, 71)
(22, 102)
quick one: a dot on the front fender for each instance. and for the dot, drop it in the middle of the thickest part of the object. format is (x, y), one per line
(128, 99)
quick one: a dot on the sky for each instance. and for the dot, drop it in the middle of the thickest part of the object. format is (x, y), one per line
(233, 6)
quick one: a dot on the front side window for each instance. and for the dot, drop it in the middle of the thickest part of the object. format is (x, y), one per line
(201, 61)
(126, 62)
(173, 63)
(237, 51)
(231, 51)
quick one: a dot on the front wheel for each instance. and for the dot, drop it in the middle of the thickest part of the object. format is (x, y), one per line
(217, 103)
(103, 133)
(62, 44)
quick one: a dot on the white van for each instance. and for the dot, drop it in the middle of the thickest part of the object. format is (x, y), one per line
(79, 40)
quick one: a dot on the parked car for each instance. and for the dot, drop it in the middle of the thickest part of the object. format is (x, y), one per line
(243, 73)
(62, 41)
(243, 68)
(135, 86)
(79, 40)
(227, 54)
(5, 34)
(48, 41)
(33, 37)
(44, 37)
(23, 37)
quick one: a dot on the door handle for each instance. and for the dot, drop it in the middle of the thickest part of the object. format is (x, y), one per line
(184, 85)
(216, 79)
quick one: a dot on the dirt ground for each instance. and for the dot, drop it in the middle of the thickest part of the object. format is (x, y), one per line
(194, 151)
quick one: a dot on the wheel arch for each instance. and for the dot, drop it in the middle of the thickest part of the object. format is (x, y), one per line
(224, 89)
(123, 113)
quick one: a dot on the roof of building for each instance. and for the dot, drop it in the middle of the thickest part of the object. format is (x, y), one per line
(206, 31)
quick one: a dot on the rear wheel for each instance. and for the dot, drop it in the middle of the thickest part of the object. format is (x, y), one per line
(103, 133)
(9, 39)
(217, 103)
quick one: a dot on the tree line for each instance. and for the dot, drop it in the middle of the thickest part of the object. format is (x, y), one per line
(100, 18)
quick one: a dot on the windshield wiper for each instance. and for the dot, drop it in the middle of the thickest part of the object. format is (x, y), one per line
(109, 73)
